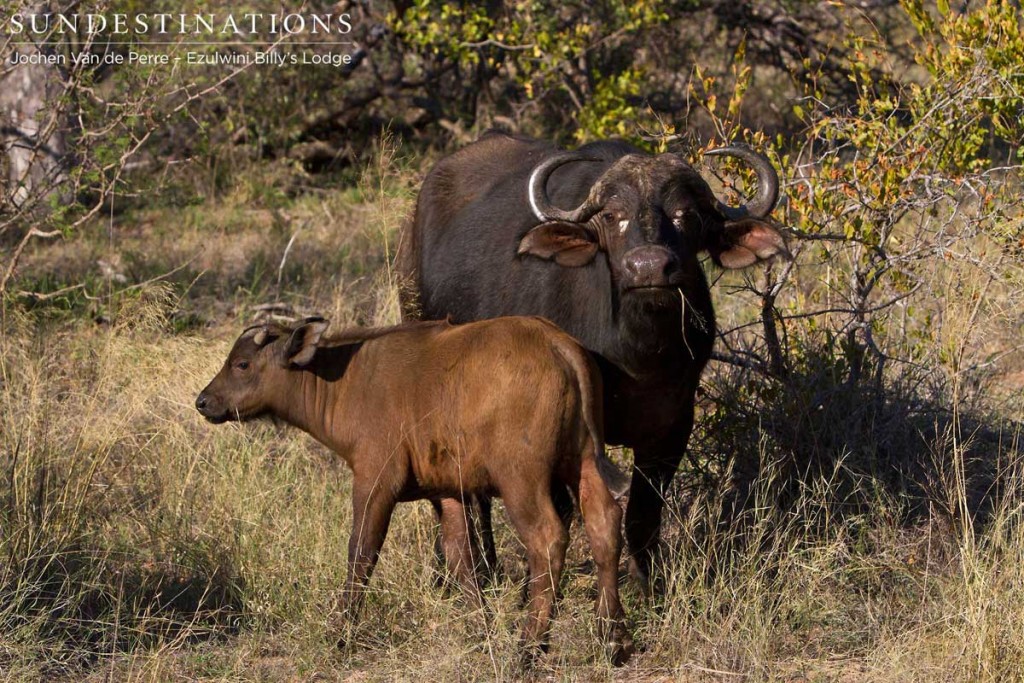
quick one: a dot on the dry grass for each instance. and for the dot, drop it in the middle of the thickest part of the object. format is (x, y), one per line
(140, 543)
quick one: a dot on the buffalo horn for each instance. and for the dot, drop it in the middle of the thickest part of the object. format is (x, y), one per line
(767, 183)
(539, 202)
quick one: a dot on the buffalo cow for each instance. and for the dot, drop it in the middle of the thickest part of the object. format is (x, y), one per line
(605, 242)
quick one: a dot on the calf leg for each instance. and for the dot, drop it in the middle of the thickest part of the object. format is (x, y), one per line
(535, 519)
(602, 517)
(561, 497)
(459, 545)
(371, 516)
(475, 508)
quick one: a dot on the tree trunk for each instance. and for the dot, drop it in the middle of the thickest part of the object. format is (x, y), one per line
(33, 123)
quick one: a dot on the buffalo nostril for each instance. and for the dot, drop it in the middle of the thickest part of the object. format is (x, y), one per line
(650, 265)
(201, 402)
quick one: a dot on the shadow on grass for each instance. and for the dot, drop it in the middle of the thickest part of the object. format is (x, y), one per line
(76, 607)
(910, 447)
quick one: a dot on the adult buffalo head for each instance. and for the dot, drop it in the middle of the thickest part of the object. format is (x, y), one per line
(652, 215)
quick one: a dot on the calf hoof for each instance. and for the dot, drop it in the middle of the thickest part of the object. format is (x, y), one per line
(339, 629)
(528, 661)
(620, 648)
(531, 654)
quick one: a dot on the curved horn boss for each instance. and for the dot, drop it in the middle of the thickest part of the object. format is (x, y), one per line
(542, 207)
(767, 183)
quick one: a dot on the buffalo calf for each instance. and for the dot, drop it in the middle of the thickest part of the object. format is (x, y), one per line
(509, 407)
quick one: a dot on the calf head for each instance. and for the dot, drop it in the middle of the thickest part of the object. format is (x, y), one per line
(652, 216)
(254, 376)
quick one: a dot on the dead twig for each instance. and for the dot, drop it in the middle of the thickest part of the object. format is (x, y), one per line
(16, 254)
(38, 296)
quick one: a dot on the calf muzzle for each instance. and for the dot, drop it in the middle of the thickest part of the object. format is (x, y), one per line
(207, 408)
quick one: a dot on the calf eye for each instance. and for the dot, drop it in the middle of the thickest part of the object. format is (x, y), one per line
(242, 365)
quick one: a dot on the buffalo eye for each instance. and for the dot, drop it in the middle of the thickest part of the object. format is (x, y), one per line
(242, 365)
(608, 216)
(679, 217)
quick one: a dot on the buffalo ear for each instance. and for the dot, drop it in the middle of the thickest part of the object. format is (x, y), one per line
(746, 241)
(302, 344)
(567, 244)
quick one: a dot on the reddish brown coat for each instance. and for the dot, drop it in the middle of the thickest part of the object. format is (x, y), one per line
(508, 407)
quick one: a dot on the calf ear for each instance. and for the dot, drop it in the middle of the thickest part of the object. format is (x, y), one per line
(302, 344)
(746, 241)
(567, 244)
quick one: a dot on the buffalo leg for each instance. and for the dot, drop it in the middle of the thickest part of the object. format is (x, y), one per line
(564, 504)
(602, 518)
(541, 530)
(653, 469)
(482, 504)
(371, 516)
(440, 558)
